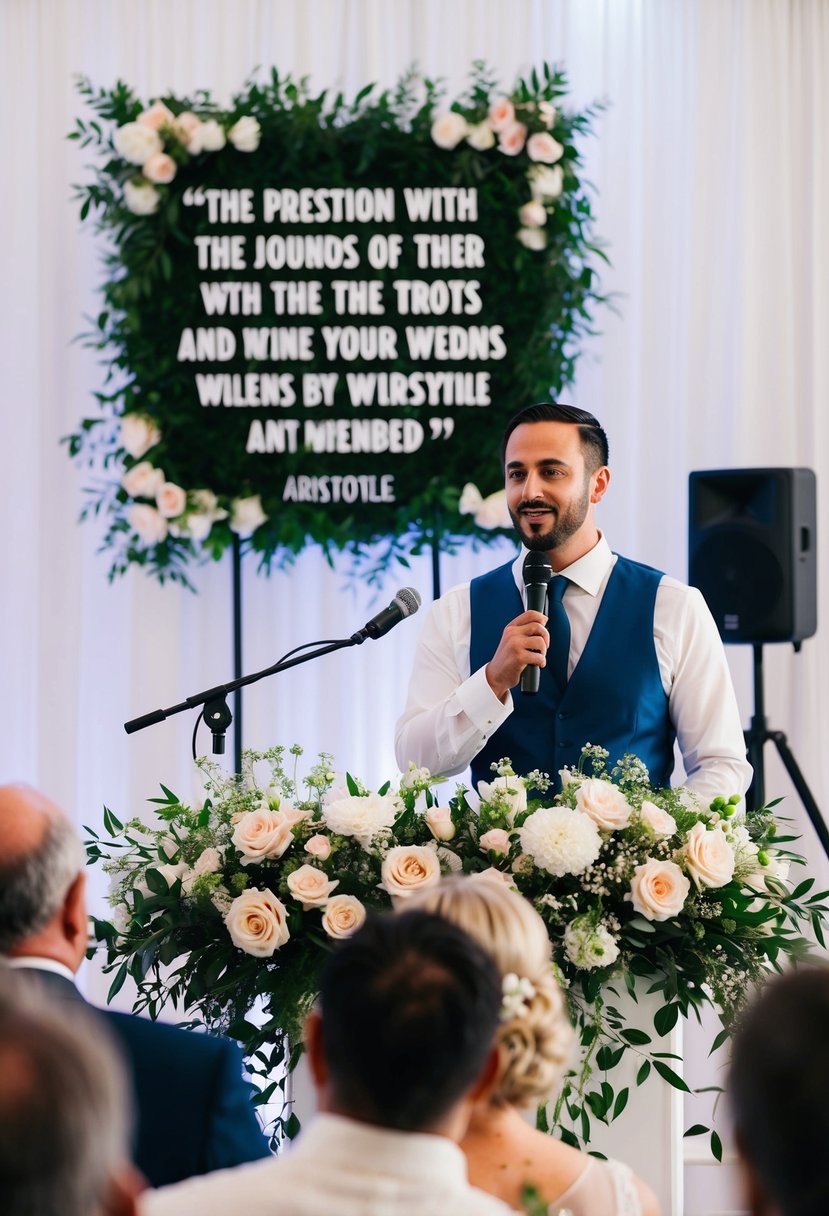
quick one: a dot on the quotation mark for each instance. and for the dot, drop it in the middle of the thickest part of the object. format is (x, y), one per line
(441, 426)
(194, 197)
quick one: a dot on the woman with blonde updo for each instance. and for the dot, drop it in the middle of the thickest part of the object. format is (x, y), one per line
(504, 1153)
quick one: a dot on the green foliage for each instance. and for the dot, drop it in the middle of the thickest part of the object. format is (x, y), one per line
(545, 300)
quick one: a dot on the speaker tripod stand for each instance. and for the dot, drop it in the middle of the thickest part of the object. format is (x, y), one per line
(756, 737)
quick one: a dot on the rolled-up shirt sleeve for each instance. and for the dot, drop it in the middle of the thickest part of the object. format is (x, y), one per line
(450, 713)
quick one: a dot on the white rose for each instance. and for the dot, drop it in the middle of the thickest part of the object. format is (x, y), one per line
(361, 815)
(470, 500)
(496, 840)
(138, 434)
(542, 147)
(197, 526)
(245, 134)
(512, 138)
(547, 113)
(604, 803)
(657, 819)
(493, 511)
(449, 129)
(310, 886)
(170, 500)
(136, 142)
(209, 862)
(560, 840)
(343, 915)
(507, 792)
(708, 856)
(213, 137)
(319, 846)
(141, 198)
(481, 137)
(501, 114)
(409, 868)
(246, 515)
(159, 168)
(156, 116)
(438, 820)
(587, 945)
(257, 922)
(659, 889)
(142, 480)
(546, 183)
(172, 873)
(532, 238)
(261, 834)
(187, 129)
(533, 214)
(147, 522)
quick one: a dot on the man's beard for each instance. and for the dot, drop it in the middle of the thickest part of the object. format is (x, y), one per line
(564, 523)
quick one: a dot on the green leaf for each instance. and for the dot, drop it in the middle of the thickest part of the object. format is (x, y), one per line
(668, 1074)
(643, 1073)
(665, 1019)
(716, 1146)
(621, 1102)
(118, 983)
(636, 1038)
(698, 1129)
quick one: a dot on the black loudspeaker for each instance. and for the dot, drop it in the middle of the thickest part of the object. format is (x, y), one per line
(752, 551)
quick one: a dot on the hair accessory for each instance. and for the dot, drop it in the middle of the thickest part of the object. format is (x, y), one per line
(517, 991)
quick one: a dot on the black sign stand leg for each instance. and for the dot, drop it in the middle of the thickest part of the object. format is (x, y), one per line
(436, 558)
(236, 556)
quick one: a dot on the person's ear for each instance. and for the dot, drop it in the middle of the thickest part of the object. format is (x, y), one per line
(314, 1049)
(600, 480)
(75, 920)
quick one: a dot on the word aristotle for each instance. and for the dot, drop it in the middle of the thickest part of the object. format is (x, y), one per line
(365, 487)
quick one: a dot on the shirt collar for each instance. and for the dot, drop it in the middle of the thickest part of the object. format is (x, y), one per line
(588, 571)
(411, 1155)
(34, 962)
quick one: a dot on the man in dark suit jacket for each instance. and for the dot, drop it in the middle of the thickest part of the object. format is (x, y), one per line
(193, 1106)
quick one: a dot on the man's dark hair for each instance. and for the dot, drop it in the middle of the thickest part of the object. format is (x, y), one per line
(591, 432)
(409, 1007)
(64, 1115)
(778, 1086)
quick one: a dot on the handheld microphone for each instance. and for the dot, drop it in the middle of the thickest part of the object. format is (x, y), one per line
(405, 603)
(537, 574)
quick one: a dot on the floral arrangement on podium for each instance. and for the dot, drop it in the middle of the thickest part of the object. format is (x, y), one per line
(226, 907)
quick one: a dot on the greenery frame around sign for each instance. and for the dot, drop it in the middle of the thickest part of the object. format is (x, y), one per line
(174, 490)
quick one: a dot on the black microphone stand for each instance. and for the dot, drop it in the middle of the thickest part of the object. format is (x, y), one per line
(216, 713)
(756, 738)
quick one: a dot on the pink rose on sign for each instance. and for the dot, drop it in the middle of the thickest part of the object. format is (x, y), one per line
(543, 148)
(170, 500)
(142, 480)
(160, 168)
(138, 434)
(156, 116)
(149, 524)
(449, 129)
(319, 846)
(533, 214)
(512, 139)
(496, 840)
(502, 114)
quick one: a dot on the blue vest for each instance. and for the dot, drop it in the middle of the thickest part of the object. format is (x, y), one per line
(614, 697)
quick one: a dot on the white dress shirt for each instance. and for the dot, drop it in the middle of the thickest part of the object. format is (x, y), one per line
(337, 1167)
(451, 712)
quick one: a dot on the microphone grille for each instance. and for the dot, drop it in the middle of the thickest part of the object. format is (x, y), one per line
(537, 568)
(407, 600)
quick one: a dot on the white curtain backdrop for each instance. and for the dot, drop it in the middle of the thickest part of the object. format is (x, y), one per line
(711, 172)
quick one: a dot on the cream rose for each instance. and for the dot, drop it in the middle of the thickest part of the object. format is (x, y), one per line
(187, 129)
(312, 887)
(361, 815)
(604, 803)
(512, 139)
(508, 792)
(449, 129)
(657, 819)
(502, 114)
(141, 198)
(496, 840)
(659, 889)
(138, 434)
(543, 148)
(257, 922)
(438, 820)
(150, 526)
(709, 857)
(343, 916)
(319, 846)
(409, 868)
(142, 480)
(533, 214)
(136, 142)
(546, 183)
(261, 834)
(532, 238)
(246, 515)
(156, 116)
(170, 500)
(245, 134)
(213, 137)
(159, 168)
(493, 511)
(481, 137)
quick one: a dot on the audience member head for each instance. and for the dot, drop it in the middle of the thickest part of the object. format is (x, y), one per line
(407, 1016)
(591, 432)
(42, 884)
(64, 1118)
(535, 1034)
(778, 1088)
